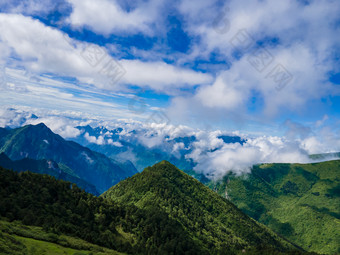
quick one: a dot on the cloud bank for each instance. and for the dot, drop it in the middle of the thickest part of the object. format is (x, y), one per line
(211, 154)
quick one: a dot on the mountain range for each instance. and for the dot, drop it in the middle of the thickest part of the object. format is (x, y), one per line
(39, 142)
(159, 211)
(142, 148)
(298, 203)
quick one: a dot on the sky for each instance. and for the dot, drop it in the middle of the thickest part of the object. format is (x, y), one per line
(259, 67)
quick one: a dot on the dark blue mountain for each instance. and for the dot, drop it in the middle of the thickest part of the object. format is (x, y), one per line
(39, 142)
(49, 167)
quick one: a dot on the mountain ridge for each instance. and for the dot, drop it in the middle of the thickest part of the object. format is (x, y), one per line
(39, 142)
(218, 223)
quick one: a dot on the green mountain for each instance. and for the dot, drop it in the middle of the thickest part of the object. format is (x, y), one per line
(49, 167)
(187, 222)
(39, 142)
(299, 201)
(213, 224)
(60, 209)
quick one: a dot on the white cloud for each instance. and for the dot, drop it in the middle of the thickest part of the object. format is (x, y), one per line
(234, 89)
(312, 145)
(327, 140)
(10, 117)
(29, 7)
(117, 144)
(92, 139)
(43, 49)
(210, 153)
(306, 38)
(240, 158)
(87, 157)
(59, 125)
(161, 76)
(106, 17)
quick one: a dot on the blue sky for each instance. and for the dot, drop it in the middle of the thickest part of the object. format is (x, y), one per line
(251, 66)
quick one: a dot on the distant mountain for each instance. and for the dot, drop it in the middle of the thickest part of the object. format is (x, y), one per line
(44, 166)
(299, 201)
(119, 143)
(213, 224)
(39, 142)
(130, 148)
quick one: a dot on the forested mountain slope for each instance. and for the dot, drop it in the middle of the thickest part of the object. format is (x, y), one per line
(299, 201)
(151, 222)
(213, 223)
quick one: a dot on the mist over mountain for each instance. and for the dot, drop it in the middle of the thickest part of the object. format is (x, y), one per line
(209, 152)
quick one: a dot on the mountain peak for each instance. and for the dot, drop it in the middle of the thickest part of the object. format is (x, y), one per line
(42, 126)
(164, 164)
(164, 169)
(164, 189)
(40, 131)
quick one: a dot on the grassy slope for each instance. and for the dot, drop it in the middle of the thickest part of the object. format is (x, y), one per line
(16, 238)
(299, 201)
(213, 222)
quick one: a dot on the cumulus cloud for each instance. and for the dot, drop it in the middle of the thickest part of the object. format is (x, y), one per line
(10, 117)
(44, 49)
(117, 144)
(215, 158)
(61, 125)
(92, 139)
(106, 17)
(297, 36)
(239, 158)
(155, 134)
(233, 90)
(327, 140)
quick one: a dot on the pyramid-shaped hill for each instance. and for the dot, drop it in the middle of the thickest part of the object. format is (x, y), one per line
(212, 222)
